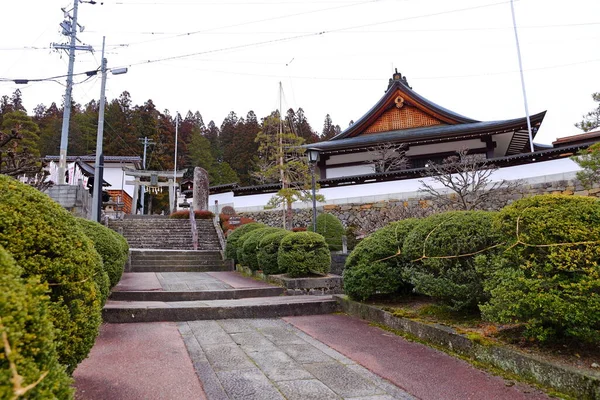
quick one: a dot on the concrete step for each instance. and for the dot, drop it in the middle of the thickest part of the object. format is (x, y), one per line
(170, 296)
(181, 268)
(257, 307)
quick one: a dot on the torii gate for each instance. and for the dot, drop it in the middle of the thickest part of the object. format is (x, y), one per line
(152, 180)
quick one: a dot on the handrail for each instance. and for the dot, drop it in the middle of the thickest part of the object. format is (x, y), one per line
(194, 228)
(219, 234)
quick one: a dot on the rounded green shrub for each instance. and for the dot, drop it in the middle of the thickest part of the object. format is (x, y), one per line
(376, 264)
(268, 249)
(25, 326)
(46, 241)
(548, 277)
(330, 227)
(303, 253)
(111, 246)
(250, 246)
(442, 250)
(232, 239)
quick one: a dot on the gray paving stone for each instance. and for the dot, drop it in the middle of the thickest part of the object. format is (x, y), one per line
(236, 325)
(253, 341)
(191, 343)
(210, 382)
(248, 385)
(305, 353)
(343, 380)
(383, 397)
(281, 336)
(227, 357)
(325, 349)
(209, 332)
(381, 383)
(278, 366)
(263, 323)
(306, 390)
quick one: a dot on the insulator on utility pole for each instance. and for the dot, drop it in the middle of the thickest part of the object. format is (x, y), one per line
(69, 29)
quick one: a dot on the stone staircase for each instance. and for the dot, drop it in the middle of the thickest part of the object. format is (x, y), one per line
(160, 232)
(168, 281)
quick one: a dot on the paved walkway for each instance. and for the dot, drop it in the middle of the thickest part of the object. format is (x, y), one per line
(312, 357)
(185, 281)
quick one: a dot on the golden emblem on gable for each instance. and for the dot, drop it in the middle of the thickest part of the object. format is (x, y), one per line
(399, 101)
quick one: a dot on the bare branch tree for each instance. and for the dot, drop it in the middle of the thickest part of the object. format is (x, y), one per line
(387, 156)
(468, 179)
(18, 162)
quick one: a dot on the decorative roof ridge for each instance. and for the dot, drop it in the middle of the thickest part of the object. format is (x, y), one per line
(400, 82)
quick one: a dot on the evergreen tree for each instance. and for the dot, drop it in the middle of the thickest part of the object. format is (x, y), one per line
(591, 120)
(279, 148)
(329, 129)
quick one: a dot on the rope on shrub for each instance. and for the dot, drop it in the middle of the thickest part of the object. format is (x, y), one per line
(519, 241)
(16, 379)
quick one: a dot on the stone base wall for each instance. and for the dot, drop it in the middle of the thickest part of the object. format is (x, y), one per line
(75, 198)
(368, 217)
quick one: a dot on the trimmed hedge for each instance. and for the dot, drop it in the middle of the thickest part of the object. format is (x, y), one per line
(330, 227)
(111, 246)
(543, 279)
(46, 241)
(234, 237)
(455, 234)
(268, 250)
(303, 253)
(375, 266)
(250, 246)
(25, 321)
(198, 214)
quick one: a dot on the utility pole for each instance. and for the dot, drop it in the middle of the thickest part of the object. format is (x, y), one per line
(99, 165)
(146, 142)
(69, 26)
(175, 167)
(512, 10)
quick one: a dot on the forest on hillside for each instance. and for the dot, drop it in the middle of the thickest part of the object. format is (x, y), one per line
(229, 151)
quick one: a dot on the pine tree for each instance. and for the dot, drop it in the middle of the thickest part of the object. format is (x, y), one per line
(591, 120)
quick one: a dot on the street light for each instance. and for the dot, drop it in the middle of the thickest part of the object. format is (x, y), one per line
(313, 158)
(99, 165)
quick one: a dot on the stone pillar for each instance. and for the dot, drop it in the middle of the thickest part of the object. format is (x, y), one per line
(171, 196)
(200, 189)
(135, 196)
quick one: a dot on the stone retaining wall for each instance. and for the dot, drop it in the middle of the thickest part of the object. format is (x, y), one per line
(369, 217)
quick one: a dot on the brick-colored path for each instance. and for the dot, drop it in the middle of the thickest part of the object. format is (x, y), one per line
(420, 370)
(138, 361)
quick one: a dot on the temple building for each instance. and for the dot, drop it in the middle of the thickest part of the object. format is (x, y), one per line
(424, 132)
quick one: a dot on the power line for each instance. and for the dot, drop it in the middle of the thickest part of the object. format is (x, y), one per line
(185, 34)
(302, 36)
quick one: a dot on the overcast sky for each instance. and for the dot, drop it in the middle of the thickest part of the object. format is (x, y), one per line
(331, 56)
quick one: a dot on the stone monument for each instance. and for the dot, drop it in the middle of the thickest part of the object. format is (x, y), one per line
(200, 189)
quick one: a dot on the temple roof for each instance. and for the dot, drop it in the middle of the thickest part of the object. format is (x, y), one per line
(429, 134)
(402, 115)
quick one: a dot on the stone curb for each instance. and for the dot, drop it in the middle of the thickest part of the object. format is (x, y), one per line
(568, 380)
(187, 313)
(153, 295)
(317, 286)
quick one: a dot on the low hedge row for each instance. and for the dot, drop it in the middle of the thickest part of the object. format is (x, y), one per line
(111, 246)
(48, 244)
(27, 347)
(277, 251)
(536, 262)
